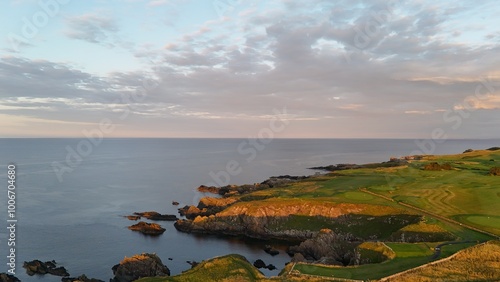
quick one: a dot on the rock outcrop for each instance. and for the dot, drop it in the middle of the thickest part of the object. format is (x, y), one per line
(139, 266)
(206, 207)
(289, 219)
(152, 215)
(270, 250)
(39, 267)
(261, 264)
(328, 248)
(208, 189)
(4, 277)
(272, 182)
(147, 228)
(133, 217)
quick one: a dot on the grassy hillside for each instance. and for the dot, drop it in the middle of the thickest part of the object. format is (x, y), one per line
(226, 268)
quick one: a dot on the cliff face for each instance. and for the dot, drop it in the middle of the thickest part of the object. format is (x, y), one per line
(292, 220)
(254, 227)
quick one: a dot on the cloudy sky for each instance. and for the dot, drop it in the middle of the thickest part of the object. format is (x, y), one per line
(227, 68)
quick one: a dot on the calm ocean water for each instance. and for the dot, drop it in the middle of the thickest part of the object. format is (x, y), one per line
(78, 222)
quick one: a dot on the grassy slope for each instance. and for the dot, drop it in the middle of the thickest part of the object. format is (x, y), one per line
(226, 268)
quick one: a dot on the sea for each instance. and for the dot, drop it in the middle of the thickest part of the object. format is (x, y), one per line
(72, 194)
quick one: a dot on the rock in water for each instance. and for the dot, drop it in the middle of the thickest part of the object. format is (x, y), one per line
(270, 250)
(147, 228)
(152, 215)
(139, 266)
(4, 277)
(271, 267)
(259, 264)
(38, 267)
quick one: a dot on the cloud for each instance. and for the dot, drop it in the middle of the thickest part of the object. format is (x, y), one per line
(92, 28)
(157, 3)
(227, 75)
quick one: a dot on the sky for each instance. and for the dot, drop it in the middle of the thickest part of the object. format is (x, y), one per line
(237, 69)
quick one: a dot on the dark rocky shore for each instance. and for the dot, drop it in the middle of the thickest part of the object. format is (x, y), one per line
(128, 270)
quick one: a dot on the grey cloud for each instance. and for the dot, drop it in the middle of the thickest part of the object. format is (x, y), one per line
(92, 28)
(397, 84)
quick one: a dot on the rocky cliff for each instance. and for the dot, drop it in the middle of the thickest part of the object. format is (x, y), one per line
(293, 219)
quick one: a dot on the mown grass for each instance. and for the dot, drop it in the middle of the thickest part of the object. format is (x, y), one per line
(463, 233)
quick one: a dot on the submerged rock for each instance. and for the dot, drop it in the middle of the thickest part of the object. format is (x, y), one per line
(147, 228)
(139, 266)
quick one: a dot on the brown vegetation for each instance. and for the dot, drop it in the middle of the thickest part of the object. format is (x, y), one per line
(434, 166)
(495, 171)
